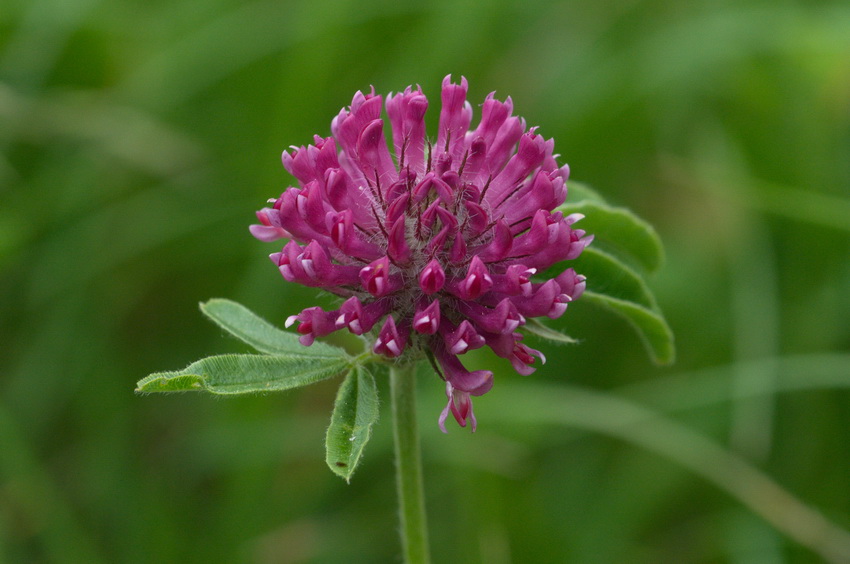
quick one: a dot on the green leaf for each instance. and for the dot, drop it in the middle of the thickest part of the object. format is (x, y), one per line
(619, 232)
(246, 374)
(610, 276)
(245, 325)
(615, 286)
(355, 411)
(538, 329)
(622, 242)
(649, 323)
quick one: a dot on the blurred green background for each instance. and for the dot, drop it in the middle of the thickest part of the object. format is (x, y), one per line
(138, 137)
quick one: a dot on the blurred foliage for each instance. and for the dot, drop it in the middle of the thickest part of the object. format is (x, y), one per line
(137, 138)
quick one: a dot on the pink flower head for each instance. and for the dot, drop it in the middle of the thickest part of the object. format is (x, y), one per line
(434, 246)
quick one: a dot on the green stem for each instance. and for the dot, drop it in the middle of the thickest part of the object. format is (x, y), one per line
(408, 465)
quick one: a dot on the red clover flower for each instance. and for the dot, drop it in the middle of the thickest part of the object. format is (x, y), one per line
(436, 249)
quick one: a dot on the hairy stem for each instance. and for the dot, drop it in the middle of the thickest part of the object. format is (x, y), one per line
(408, 465)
